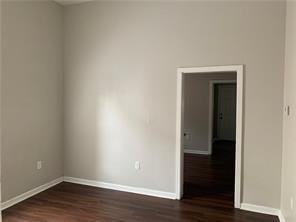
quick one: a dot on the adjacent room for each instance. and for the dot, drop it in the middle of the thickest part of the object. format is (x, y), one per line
(159, 111)
(209, 136)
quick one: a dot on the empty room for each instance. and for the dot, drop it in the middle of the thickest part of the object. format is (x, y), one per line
(138, 110)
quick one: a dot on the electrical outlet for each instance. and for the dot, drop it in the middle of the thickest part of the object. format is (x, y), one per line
(292, 203)
(39, 165)
(187, 136)
(137, 165)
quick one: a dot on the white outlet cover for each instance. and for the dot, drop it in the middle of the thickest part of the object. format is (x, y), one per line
(137, 165)
(39, 165)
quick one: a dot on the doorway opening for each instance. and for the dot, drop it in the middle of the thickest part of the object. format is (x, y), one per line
(209, 164)
(209, 133)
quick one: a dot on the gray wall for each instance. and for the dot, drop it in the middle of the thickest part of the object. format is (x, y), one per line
(289, 141)
(32, 81)
(120, 87)
(196, 108)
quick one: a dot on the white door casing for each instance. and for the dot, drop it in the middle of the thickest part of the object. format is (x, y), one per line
(239, 120)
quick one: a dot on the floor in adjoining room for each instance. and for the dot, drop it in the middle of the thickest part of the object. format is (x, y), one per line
(67, 202)
(211, 176)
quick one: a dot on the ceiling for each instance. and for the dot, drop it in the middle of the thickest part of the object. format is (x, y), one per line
(71, 2)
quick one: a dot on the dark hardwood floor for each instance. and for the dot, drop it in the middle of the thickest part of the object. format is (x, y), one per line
(69, 202)
(211, 176)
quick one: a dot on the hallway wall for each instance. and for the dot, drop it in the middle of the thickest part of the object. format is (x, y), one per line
(196, 108)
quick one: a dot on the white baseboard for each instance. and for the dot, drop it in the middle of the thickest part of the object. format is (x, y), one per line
(260, 209)
(30, 193)
(281, 216)
(112, 186)
(191, 151)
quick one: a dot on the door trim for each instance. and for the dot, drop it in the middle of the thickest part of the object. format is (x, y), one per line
(211, 109)
(239, 69)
